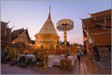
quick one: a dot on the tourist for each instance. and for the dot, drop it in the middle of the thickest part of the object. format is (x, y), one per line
(26, 53)
(28, 61)
(68, 53)
(38, 59)
(82, 53)
(22, 61)
(78, 56)
(33, 62)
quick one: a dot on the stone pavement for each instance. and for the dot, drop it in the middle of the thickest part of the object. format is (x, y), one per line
(53, 70)
(87, 66)
(106, 61)
(7, 69)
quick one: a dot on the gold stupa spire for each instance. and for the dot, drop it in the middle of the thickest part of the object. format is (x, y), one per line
(48, 26)
(47, 36)
(49, 17)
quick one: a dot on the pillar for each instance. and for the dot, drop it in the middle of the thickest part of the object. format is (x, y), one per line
(65, 38)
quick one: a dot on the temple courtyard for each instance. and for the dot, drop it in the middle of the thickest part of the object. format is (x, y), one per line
(38, 40)
(85, 66)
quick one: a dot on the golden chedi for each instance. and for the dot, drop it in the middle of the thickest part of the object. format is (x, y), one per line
(47, 37)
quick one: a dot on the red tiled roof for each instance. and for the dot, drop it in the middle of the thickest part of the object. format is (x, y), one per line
(15, 33)
(97, 23)
(3, 25)
(101, 15)
(100, 24)
(96, 30)
(89, 22)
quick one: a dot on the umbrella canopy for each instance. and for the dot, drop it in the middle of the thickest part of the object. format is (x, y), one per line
(65, 22)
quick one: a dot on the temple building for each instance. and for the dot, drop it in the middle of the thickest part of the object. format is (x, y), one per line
(97, 35)
(47, 38)
(5, 35)
(20, 37)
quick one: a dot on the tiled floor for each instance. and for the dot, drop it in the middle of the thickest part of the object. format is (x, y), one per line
(7, 69)
(85, 66)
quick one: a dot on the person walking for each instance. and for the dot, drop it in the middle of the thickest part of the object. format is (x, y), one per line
(78, 56)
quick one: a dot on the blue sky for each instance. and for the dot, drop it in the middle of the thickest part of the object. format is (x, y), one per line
(32, 14)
